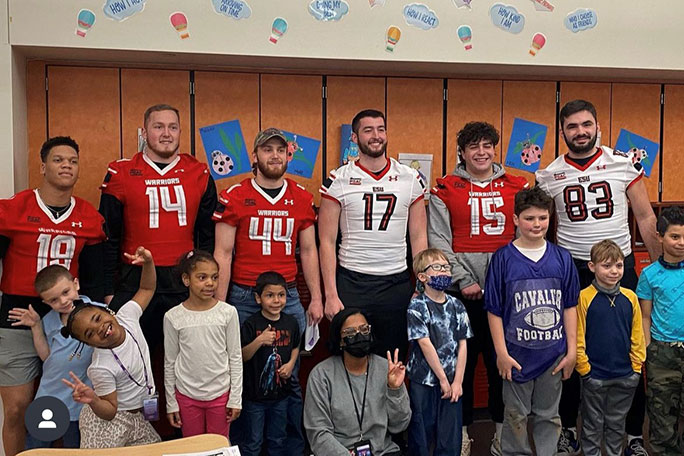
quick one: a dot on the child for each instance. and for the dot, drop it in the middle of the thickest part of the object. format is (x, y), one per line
(530, 293)
(202, 362)
(270, 348)
(123, 397)
(610, 351)
(438, 327)
(59, 289)
(660, 294)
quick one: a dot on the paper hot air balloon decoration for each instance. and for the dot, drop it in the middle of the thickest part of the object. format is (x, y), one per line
(85, 20)
(393, 35)
(465, 34)
(538, 42)
(278, 29)
(180, 23)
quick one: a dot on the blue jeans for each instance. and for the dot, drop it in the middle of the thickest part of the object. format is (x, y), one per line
(433, 419)
(264, 419)
(71, 438)
(243, 300)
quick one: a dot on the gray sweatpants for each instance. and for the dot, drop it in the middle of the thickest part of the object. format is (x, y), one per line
(604, 408)
(539, 397)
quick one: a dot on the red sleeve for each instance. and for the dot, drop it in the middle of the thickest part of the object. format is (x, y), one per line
(309, 215)
(112, 183)
(228, 207)
(4, 219)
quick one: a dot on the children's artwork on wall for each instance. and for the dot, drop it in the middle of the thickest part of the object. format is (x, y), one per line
(465, 34)
(122, 9)
(581, 19)
(642, 151)
(393, 35)
(421, 163)
(328, 10)
(538, 42)
(543, 5)
(463, 3)
(180, 23)
(526, 145)
(84, 21)
(237, 9)
(301, 154)
(349, 150)
(419, 15)
(225, 148)
(376, 3)
(507, 18)
(278, 29)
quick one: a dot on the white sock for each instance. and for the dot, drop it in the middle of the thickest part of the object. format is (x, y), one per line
(499, 428)
(465, 433)
(631, 437)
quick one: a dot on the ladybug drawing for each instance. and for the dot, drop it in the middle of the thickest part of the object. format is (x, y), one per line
(221, 163)
(530, 154)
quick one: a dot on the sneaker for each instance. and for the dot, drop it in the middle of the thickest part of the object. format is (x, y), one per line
(495, 447)
(465, 446)
(568, 445)
(635, 447)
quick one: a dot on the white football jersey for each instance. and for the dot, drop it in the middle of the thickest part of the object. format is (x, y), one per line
(374, 215)
(591, 200)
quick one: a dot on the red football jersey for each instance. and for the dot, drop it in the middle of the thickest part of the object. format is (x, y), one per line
(481, 213)
(37, 239)
(159, 205)
(267, 228)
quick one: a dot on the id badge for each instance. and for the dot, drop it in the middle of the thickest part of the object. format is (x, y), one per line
(362, 448)
(151, 407)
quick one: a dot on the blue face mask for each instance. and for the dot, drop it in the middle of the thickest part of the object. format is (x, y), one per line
(440, 282)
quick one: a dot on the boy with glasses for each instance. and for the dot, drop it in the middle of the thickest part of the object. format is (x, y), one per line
(438, 327)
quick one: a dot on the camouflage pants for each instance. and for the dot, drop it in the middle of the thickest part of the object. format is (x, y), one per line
(665, 396)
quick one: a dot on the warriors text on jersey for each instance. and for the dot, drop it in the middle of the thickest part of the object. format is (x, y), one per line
(160, 205)
(37, 239)
(489, 223)
(591, 200)
(374, 214)
(267, 228)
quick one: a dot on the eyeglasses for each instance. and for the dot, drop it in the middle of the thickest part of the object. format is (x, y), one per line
(364, 329)
(439, 267)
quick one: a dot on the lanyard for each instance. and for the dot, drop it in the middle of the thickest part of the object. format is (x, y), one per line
(147, 384)
(359, 417)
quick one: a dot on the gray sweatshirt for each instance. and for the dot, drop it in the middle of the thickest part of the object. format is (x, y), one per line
(468, 267)
(330, 420)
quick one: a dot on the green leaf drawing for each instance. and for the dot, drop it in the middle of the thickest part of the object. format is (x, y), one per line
(234, 151)
(299, 156)
(629, 140)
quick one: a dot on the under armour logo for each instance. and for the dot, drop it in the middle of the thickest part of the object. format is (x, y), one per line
(78, 224)
(290, 202)
(393, 178)
(498, 184)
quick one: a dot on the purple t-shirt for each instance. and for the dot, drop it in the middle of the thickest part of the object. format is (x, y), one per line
(530, 298)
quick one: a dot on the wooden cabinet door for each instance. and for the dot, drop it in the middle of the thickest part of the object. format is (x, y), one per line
(415, 119)
(673, 143)
(471, 100)
(346, 97)
(141, 89)
(636, 107)
(536, 102)
(294, 103)
(220, 97)
(83, 102)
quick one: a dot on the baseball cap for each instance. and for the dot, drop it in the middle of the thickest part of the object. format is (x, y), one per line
(267, 134)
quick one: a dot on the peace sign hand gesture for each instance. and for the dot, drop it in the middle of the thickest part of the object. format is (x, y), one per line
(395, 370)
(82, 392)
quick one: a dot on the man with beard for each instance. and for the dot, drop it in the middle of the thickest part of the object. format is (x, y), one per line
(590, 186)
(258, 223)
(372, 201)
(161, 199)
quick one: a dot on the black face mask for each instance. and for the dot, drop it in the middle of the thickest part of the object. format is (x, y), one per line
(358, 345)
